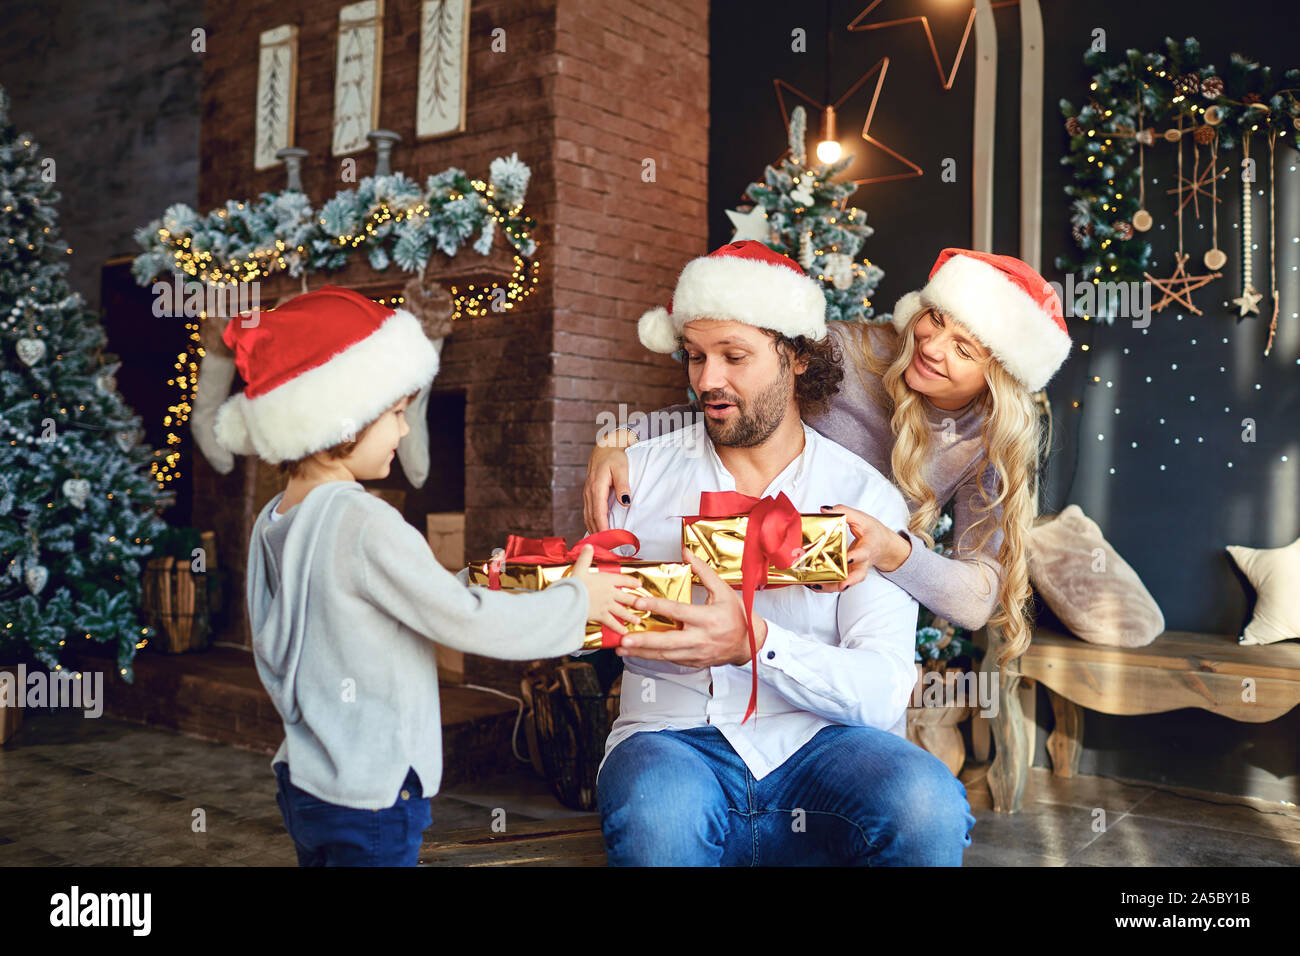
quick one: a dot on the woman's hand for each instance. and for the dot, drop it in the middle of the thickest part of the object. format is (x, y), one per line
(607, 468)
(606, 596)
(874, 546)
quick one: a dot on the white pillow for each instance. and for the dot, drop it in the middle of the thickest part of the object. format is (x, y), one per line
(1274, 573)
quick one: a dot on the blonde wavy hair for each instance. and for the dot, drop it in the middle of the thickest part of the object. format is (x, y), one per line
(1011, 443)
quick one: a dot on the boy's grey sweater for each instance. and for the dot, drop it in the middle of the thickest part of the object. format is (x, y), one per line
(345, 600)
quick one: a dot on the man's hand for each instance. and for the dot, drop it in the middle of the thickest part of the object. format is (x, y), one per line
(711, 634)
(874, 546)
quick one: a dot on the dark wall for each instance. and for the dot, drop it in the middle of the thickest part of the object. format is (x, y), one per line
(1171, 524)
(111, 92)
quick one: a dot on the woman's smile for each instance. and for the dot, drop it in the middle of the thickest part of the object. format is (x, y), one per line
(925, 368)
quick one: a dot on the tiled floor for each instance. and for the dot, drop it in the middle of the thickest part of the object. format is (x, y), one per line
(104, 792)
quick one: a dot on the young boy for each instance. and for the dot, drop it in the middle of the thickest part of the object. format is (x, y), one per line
(344, 597)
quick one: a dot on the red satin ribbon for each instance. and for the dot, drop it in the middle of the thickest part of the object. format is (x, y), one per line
(551, 551)
(773, 536)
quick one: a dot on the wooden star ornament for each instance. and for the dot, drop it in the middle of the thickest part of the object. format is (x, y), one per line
(1248, 301)
(1180, 286)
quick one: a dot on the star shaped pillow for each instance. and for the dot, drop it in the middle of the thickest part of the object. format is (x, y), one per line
(1275, 575)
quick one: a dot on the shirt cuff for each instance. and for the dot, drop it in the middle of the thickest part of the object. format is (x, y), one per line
(776, 649)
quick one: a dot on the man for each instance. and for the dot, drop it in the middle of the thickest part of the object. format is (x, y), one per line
(823, 772)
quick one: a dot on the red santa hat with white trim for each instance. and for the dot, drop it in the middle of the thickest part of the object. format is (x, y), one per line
(743, 281)
(318, 369)
(1005, 303)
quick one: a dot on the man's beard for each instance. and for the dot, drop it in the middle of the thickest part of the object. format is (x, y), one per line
(754, 421)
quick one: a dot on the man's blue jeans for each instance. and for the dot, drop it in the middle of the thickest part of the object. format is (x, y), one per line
(851, 796)
(326, 834)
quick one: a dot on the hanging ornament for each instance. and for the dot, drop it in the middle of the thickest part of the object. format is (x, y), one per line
(1187, 84)
(106, 380)
(1214, 258)
(1212, 87)
(1142, 218)
(806, 251)
(36, 575)
(839, 266)
(802, 195)
(1204, 135)
(1124, 230)
(1173, 135)
(1272, 239)
(30, 351)
(1214, 116)
(128, 438)
(1178, 288)
(1248, 301)
(77, 490)
(1073, 126)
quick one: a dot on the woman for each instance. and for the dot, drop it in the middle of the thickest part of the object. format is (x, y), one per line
(941, 403)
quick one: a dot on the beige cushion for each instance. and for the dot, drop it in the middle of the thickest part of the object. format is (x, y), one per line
(1088, 586)
(1274, 573)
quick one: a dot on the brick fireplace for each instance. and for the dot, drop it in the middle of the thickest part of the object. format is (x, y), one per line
(584, 94)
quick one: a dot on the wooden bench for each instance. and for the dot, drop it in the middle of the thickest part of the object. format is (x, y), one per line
(1256, 683)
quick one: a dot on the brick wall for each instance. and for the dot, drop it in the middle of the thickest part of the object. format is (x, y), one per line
(584, 92)
(631, 84)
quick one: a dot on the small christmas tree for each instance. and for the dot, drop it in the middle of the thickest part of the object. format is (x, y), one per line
(77, 504)
(810, 222)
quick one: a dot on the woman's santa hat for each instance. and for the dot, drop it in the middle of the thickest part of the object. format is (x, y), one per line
(743, 282)
(1005, 303)
(317, 370)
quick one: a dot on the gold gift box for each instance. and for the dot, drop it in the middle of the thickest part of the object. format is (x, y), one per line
(720, 542)
(658, 579)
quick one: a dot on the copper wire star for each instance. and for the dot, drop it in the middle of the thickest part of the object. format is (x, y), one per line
(858, 26)
(1180, 277)
(883, 66)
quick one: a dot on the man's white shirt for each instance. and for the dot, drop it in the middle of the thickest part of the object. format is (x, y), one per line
(829, 658)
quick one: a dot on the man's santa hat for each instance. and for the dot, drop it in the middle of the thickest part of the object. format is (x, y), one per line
(743, 282)
(318, 369)
(1004, 303)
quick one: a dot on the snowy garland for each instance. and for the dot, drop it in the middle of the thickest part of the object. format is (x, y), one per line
(391, 217)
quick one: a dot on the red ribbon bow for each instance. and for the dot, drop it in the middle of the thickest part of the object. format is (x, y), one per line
(551, 551)
(773, 536)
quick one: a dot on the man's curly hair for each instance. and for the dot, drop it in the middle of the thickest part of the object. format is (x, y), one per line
(820, 381)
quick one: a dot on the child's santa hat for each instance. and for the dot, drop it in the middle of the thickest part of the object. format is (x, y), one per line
(1004, 303)
(317, 370)
(744, 282)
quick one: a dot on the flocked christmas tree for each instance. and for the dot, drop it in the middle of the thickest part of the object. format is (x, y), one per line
(807, 219)
(77, 504)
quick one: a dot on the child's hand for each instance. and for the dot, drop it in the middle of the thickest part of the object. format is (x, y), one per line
(605, 593)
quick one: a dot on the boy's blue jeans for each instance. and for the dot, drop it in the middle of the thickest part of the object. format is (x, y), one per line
(326, 834)
(851, 796)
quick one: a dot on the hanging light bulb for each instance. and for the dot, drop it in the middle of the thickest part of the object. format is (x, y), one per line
(828, 150)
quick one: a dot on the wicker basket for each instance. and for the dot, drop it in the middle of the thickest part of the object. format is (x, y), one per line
(571, 719)
(175, 601)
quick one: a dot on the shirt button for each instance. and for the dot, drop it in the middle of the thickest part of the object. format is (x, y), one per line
(771, 654)
(406, 794)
